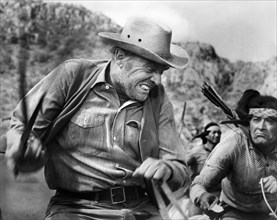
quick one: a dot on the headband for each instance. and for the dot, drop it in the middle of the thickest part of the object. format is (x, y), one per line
(261, 112)
(211, 124)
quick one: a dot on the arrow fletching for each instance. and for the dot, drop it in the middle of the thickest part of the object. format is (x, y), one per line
(215, 98)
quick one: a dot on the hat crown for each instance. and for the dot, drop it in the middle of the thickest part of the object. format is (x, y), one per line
(148, 34)
(149, 39)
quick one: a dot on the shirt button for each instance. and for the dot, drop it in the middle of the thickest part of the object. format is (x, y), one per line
(107, 87)
(124, 181)
(114, 138)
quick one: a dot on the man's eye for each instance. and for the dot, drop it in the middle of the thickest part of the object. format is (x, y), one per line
(216, 132)
(150, 69)
(255, 119)
(271, 120)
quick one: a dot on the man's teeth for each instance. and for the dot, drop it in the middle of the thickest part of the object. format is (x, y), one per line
(145, 87)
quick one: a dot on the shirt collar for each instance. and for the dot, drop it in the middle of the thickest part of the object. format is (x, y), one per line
(101, 78)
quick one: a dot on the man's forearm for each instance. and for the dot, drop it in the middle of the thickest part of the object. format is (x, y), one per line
(180, 175)
(196, 189)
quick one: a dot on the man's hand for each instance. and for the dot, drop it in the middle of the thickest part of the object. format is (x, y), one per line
(270, 184)
(31, 160)
(153, 169)
(206, 201)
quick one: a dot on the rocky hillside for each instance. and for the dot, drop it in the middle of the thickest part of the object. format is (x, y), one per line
(229, 79)
(71, 32)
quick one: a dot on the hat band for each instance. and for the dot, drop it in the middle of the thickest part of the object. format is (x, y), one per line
(263, 112)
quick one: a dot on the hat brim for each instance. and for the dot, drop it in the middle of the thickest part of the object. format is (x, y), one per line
(178, 59)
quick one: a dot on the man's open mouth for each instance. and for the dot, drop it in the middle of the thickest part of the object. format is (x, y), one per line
(145, 87)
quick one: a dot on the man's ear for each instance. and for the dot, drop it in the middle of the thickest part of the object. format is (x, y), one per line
(119, 56)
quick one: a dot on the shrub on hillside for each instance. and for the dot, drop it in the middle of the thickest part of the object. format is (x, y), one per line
(57, 28)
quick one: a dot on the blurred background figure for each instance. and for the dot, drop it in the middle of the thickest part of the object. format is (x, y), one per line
(200, 151)
(198, 154)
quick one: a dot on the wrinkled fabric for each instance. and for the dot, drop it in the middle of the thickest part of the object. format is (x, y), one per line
(80, 164)
(61, 208)
(196, 159)
(234, 214)
(243, 166)
(87, 140)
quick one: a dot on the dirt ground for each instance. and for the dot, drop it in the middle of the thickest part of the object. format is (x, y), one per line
(23, 198)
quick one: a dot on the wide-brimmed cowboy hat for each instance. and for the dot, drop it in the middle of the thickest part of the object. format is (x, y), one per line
(149, 39)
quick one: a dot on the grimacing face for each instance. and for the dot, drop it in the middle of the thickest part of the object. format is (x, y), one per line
(214, 135)
(138, 76)
(263, 131)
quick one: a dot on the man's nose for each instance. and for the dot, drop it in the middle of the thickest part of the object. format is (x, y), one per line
(261, 124)
(156, 78)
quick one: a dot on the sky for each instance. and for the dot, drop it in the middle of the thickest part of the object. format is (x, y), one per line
(238, 30)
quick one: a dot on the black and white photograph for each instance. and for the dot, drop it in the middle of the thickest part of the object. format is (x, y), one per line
(138, 110)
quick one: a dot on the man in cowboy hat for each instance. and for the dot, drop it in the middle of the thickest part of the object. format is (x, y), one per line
(106, 128)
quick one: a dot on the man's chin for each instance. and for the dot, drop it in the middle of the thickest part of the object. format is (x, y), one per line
(261, 144)
(260, 140)
(141, 98)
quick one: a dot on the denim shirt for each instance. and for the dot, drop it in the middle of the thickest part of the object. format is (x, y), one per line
(99, 125)
(84, 164)
(241, 167)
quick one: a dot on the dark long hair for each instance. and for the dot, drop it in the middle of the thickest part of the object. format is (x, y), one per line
(253, 99)
(204, 134)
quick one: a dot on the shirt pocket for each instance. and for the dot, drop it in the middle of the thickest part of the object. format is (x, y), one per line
(88, 119)
(87, 131)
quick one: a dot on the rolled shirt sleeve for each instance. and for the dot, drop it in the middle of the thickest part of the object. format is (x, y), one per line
(240, 166)
(216, 168)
